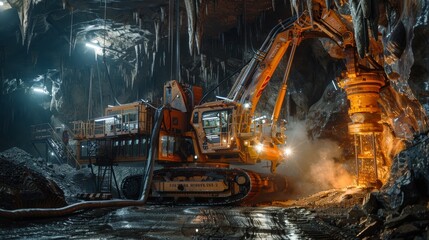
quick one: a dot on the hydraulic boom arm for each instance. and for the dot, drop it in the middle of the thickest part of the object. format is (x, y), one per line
(227, 131)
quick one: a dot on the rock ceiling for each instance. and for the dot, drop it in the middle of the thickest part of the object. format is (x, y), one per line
(63, 27)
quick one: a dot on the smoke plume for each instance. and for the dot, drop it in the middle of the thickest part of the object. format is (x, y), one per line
(315, 165)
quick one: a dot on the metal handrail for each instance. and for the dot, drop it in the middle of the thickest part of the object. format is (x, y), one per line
(45, 131)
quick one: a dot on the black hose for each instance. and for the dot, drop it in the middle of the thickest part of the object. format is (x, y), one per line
(153, 152)
(21, 214)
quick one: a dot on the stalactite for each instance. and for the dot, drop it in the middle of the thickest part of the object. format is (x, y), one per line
(217, 77)
(203, 59)
(203, 69)
(71, 32)
(135, 71)
(153, 64)
(30, 35)
(273, 3)
(90, 93)
(24, 8)
(190, 12)
(170, 23)
(157, 33)
(245, 25)
(223, 65)
(199, 26)
(310, 10)
(177, 45)
(295, 7)
(146, 48)
(162, 9)
(164, 56)
(211, 71)
(171, 35)
(205, 76)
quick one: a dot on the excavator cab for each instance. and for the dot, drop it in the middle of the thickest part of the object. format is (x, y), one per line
(227, 133)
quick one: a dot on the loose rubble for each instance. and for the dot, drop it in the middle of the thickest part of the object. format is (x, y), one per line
(21, 187)
(70, 180)
(399, 210)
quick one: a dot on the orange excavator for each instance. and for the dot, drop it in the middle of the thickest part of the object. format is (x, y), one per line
(196, 143)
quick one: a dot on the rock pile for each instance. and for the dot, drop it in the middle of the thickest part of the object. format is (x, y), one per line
(20, 187)
(68, 179)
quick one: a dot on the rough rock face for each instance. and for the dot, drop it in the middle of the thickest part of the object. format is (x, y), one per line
(68, 179)
(21, 187)
(328, 117)
(409, 180)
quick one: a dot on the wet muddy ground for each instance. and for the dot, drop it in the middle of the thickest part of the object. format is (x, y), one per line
(165, 222)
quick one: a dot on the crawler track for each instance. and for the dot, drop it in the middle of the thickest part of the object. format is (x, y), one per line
(174, 186)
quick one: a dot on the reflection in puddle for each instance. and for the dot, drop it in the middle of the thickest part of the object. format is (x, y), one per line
(162, 222)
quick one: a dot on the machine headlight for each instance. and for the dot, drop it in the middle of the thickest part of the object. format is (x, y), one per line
(246, 105)
(259, 147)
(287, 151)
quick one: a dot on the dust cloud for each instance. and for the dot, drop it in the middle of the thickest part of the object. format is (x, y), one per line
(315, 165)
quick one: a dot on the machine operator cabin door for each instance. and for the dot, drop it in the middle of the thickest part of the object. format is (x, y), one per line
(216, 126)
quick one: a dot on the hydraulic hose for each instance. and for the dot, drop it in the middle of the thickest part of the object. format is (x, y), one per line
(245, 77)
(153, 152)
(20, 214)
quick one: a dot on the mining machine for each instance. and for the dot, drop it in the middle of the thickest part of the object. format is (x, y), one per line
(196, 143)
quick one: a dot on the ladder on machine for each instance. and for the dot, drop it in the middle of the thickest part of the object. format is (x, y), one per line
(105, 176)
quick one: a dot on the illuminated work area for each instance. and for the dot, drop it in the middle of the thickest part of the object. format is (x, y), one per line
(214, 119)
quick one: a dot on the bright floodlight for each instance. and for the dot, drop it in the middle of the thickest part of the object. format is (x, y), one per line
(246, 105)
(1, 3)
(40, 90)
(259, 147)
(107, 119)
(98, 50)
(288, 151)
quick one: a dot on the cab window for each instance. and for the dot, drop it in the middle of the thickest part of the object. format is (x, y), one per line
(216, 125)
